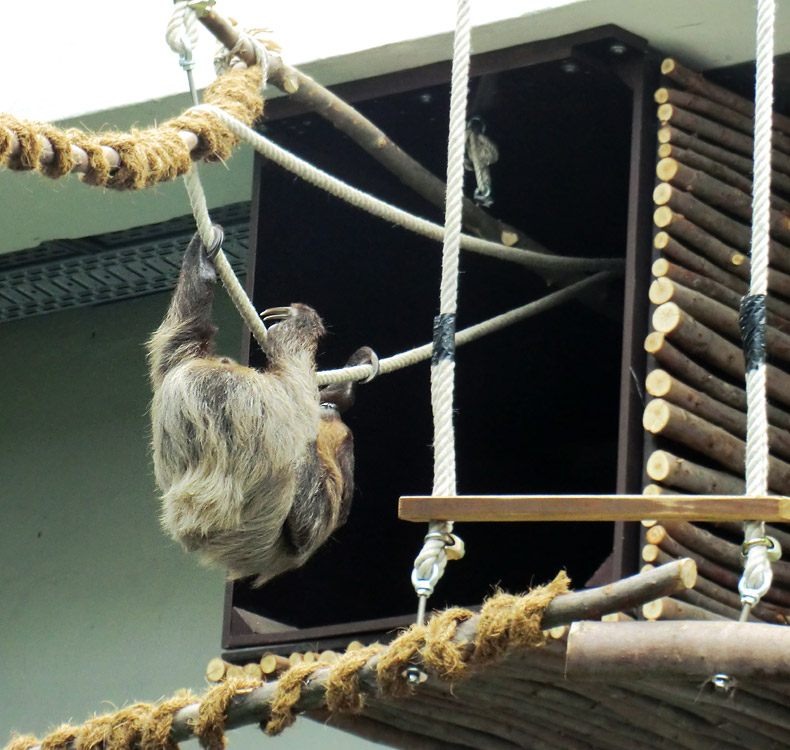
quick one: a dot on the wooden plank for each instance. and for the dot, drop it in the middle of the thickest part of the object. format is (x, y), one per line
(594, 508)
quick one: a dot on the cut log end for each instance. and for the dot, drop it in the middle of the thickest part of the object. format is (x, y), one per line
(668, 65)
(656, 416)
(215, 669)
(661, 266)
(653, 342)
(662, 193)
(658, 383)
(666, 169)
(688, 572)
(659, 466)
(665, 150)
(650, 553)
(667, 317)
(665, 134)
(661, 96)
(663, 216)
(656, 534)
(662, 289)
(665, 112)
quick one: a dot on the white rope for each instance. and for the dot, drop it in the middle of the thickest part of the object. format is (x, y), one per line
(465, 336)
(182, 30)
(366, 202)
(208, 234)
(431, 561)
(757, 575)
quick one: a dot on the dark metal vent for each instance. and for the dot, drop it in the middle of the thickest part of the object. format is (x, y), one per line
(66, 274)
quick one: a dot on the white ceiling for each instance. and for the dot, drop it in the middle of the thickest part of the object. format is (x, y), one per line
(345, 39)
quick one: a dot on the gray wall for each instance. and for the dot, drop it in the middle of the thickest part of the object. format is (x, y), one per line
(98, 608)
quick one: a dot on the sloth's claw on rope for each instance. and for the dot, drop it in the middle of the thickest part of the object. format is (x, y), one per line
(216, 244)
(368, 357)
(275, 313)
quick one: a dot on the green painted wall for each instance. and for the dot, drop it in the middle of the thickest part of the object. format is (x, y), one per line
(97, 607)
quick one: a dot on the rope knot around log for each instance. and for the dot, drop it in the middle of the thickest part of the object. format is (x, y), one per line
(212, 714)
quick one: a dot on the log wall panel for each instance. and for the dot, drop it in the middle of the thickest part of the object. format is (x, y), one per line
(703, 209)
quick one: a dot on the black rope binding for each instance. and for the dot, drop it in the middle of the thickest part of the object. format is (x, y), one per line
(443, 338)
(752, 320)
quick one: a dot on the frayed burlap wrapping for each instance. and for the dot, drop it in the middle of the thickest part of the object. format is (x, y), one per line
(149, 156)
(21, 742)
(289, 690)
(509, 621)
(342, 685)
(505, 621)
(212, 714)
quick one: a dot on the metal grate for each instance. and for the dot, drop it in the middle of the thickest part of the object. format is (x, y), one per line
(67, 274)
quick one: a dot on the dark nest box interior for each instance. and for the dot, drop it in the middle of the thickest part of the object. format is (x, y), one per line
(538, 406)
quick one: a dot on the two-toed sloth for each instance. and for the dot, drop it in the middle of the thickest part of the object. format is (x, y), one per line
(256, 468)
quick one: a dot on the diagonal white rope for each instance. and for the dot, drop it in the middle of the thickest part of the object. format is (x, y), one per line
(432, 559)
(757, 575)
(376, 207)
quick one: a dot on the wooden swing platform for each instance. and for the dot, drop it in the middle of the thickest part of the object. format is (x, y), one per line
(593, 508)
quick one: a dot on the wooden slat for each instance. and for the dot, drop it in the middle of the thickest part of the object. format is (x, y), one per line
(594, 508)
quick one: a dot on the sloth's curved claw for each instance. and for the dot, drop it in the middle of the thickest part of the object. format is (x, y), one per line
(275, 313)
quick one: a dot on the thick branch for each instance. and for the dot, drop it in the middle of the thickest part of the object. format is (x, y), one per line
(303, 89)
(660, 650)
(252, 707)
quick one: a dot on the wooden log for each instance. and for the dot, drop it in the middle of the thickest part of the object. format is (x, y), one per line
(690, 477)
(274, 664)
(714, 249)
(712, 570)
(655, 489)
(743, 164)
(727, 175)
(711, 605)
(674, 609)
(704, 284)
(711, 109)
(664, 418)
(716, 132)
(699, 341)
(673, 251)
(714, 314)
(717, 223)
(523, 508)
(715, 192)
(698, 84)
(714, 547)
(215, 669)
(253, 670)
(661, 384)
(234, 671)
(661, 650)
(723, 594)
(690, 372)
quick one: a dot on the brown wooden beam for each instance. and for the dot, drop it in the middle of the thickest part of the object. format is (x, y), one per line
(593, 508)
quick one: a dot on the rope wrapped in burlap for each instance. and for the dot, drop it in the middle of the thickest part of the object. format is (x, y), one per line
(441, 647)
(148, 156)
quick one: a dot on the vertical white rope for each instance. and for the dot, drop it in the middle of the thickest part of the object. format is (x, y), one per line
(430, 563)
(757, 575)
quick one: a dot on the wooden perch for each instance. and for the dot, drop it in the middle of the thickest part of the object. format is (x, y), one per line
(715, 193)
(521, 508)
(716, 132)
(699, 341)
(674, 609)
(730, 177)
(664, 418)
(657, 344)
(700, 85)
(705, 284)
(661, 384)
(690, 477)
(714, 314)
(662, 650)
(672, 250)
(717, 223)
(713, 110)
(743, 164)
(713, 547)
(723, 594)
(254, 706)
